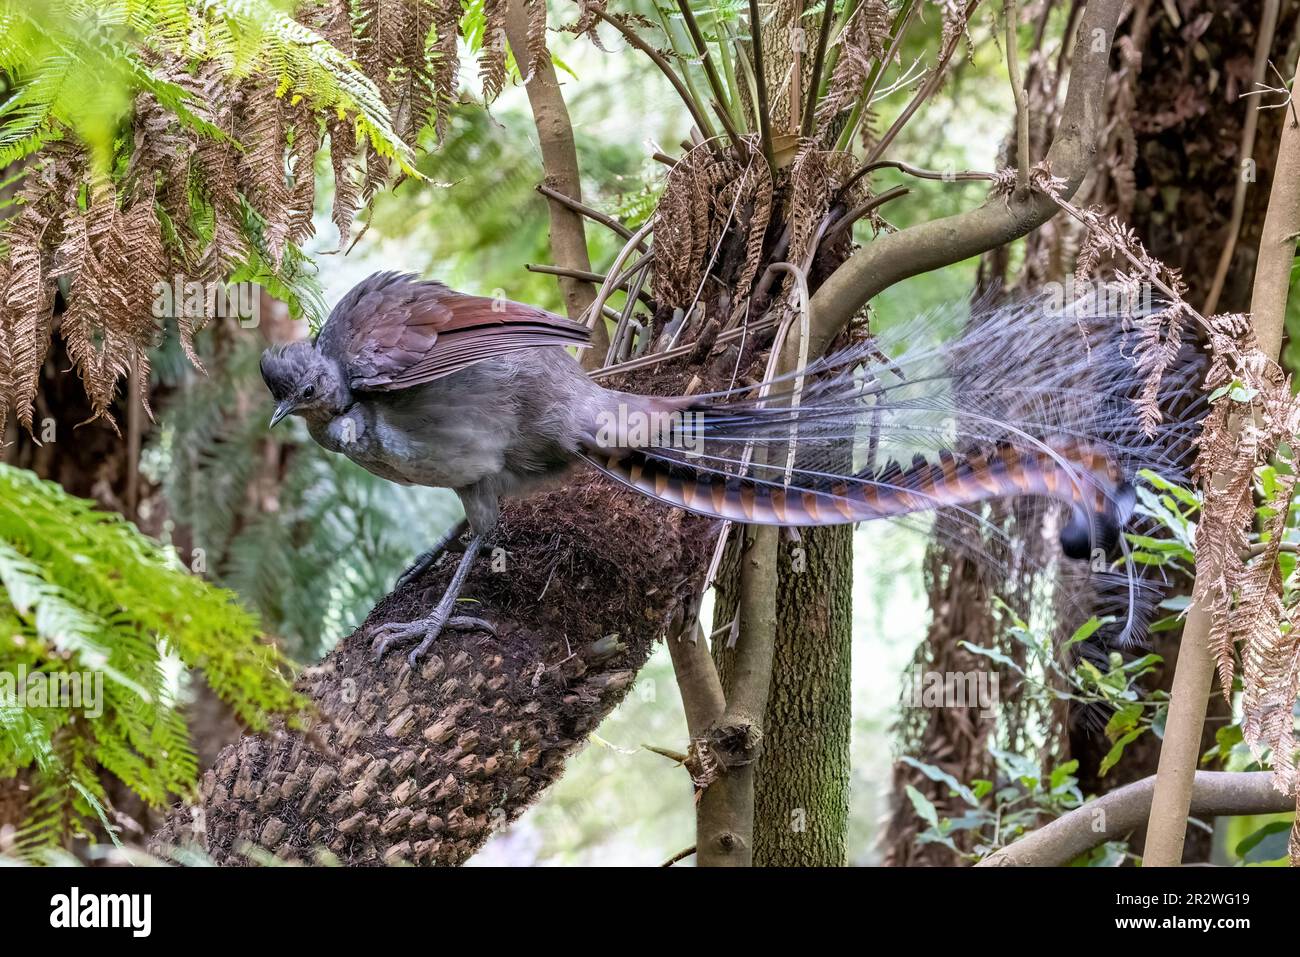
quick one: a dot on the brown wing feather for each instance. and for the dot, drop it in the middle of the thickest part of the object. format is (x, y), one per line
(393, 331)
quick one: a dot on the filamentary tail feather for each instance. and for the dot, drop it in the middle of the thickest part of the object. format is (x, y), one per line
(1024, 401)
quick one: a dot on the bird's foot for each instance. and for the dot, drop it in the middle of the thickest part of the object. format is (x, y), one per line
(417, 568)
(397, 633)
(449, 543)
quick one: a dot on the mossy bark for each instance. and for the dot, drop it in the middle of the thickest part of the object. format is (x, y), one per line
(801, 800)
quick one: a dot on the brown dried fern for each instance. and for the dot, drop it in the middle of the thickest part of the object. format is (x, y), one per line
(263, 127)
(446, 63)
(112, 259)
(492, 59)
(810, 197)
(685, 223)
(862, 44)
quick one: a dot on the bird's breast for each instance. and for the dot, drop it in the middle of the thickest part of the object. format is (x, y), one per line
(419, 440)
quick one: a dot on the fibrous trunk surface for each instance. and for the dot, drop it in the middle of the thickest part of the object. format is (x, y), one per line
(422, 766)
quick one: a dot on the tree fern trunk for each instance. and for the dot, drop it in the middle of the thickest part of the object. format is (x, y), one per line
(423, 766)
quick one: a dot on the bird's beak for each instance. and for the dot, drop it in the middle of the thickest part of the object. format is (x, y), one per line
(281, 410)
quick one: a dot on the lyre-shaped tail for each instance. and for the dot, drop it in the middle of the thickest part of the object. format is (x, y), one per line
(1023, 401)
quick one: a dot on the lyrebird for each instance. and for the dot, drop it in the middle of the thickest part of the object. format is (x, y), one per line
(423, 385)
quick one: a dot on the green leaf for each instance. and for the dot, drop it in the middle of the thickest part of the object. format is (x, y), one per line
(923, 807)
(1124, 720)
(942, 777)
(1062, 775)
(1088, 629)
(1268, 843)
(1117, 751)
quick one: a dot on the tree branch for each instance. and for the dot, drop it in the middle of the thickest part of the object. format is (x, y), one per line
(697, 678)
(720, 105)
(422, 766)
(1114, 815)
(725, 819)
(851, 217)
(1011, 12)
(760, 83)
(697, 113)
(1263, 43)
(591, 213)
(586, 276)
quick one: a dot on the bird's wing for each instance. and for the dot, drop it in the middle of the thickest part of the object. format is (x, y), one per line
(395, 330)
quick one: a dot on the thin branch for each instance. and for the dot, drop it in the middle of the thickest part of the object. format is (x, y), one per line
(1011, 13)
(901, 21)
(958, 176)
(697, 679)
(832, 57)
(760, 83)
(666, 23)
(1265, 548)
(616, 279)
(1263, 43)
(634, 40)
(847, 221)
(593, 214)
(927, 90)
(560, 166)
(819, 58)
(679, 856)
(585, 275)
(674, 756)
(678, 351)
(715, 82)
(1116, 814)
(940, 242)
(624, 321)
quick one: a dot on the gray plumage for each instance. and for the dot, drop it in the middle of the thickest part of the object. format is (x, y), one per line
(496, 426)
(422, 385)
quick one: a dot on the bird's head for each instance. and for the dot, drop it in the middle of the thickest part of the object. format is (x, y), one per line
(304, 382)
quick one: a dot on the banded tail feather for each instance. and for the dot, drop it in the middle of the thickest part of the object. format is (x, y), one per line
(1078, 474)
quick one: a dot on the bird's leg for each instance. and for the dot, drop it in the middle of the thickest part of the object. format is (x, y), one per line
(429, 627)
(426, 559)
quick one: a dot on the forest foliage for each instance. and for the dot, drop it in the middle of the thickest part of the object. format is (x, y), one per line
(93, 608)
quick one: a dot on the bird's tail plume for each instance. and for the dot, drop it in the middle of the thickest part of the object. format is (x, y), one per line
(1023, 400)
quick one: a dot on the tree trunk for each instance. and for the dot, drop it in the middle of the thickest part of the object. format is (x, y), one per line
(801, 799)
(422, 766)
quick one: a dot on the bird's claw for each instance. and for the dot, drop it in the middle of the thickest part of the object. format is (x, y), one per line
(417, 568)
(428, 629)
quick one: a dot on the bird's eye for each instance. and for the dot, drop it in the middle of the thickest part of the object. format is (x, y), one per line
(308, 392)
